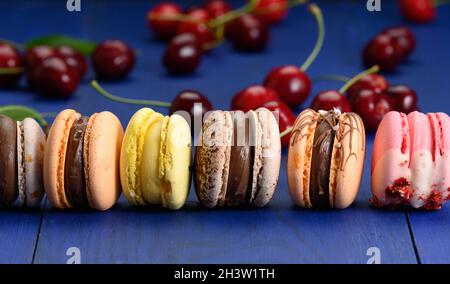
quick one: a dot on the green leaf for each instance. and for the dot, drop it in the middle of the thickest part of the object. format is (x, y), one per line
(18, 113)
(85, 47)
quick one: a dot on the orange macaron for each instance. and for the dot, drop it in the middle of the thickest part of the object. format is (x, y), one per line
(81, 162)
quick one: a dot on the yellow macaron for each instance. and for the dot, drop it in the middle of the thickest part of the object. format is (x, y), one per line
(155, 159)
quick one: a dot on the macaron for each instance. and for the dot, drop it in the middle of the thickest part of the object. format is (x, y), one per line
(81, 162)
(410, 161)
(237, 159)
(155, 160)
(325, 159)
(21, 156)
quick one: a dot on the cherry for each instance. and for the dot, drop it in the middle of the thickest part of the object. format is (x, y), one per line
(10, 61)
(327, 100)
(404, 40)
(381, 51)
(253, 97)
(403, 97)
(113, 60)
(37, 54)
(248, 33)
(73, 58)
(372, 107)
(53, 77)
(217, 8)
(375, 82)
(420, 11)
(199, 29)
(291, 82)
(182, 54)
(272, 11)
(286, 118)
(161, 27)
(192, 102)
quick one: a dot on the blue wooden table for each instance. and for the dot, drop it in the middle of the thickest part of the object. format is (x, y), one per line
(279, 233)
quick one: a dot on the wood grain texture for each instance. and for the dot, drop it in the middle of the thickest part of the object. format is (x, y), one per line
(277, 234)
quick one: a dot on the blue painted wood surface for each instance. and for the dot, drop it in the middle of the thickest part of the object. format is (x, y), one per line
(277, 234)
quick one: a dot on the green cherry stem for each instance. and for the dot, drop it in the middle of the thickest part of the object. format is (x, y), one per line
(286, 132)
(112, 97)
(11, 70)
(227, 17)
(371, 70)
(317, 12)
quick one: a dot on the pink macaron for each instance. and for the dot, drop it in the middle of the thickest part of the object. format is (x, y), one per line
(410, 163)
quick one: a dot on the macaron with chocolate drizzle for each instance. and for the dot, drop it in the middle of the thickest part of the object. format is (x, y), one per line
(326, 159)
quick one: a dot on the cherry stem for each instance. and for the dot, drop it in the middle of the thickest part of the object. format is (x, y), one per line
(112, 97)
(219, 39)
(286, 132)
(11, 70)
(317, 12)
(371, 70)
(331, 77)
(229, 16)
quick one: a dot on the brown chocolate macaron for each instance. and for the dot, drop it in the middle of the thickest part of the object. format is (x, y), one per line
(8, 161)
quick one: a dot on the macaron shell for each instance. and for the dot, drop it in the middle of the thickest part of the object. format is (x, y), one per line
(131, 154)
(440, 123)
(347, 160)
(34, 146)
(101, 153)
(54, 158)
(267, 157)
(212, 158)
(8, 161)
(299, 157)
(174, 161)
(150, 182)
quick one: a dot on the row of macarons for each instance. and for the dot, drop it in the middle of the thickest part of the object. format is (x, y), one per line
(86, 162)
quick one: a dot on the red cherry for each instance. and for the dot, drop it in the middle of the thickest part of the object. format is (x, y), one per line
(9, 58)
(420, 11)
(291, 83)
(403, 97)
(286, 118)
(327, 100)
(200, 30)
(272, 11)
(37, 54)
(404, 40)
(192, 102)
(164, 28)
(182, 54)
(248, 33)
(53, 77)
(253, 97)
(382, 52)
(113, 60)
(217, 8)
(372, 107)
(375, 82)
(73, 58)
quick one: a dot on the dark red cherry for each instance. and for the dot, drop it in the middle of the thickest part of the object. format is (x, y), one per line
(217, 8)
(382, 52)
(37, 54)
(73, 58)
(182, 54)
(198, 14)
(192, 102)
(54, 78)
(253, 97)
(375, 82)
(113, 60)
(372, 107)
(286, 118)
(248, 33)
(272, 11)
(327, 100)
(164, 28)
(291, 84)
(9, 58)
(420, 11)
(403, 97)
(404, 40)
(201, 29)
